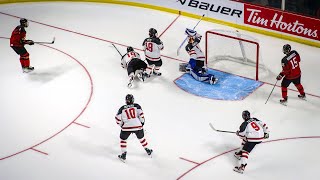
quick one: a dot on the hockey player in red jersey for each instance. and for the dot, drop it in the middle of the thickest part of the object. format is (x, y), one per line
(290, 73)
(17, 42)
(130, 118)
(152, 47)
(252, 131)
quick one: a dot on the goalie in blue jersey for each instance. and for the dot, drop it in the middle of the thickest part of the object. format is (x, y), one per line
(196, 66)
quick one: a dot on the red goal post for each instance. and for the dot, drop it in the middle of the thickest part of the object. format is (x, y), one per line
(232, 46)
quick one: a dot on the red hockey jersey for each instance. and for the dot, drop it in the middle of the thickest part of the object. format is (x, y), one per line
(17, 36)
(291, 65)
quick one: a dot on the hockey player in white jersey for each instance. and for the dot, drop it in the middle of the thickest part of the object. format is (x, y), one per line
(196, 66)
(152, 47)
(130, 118)
(134, 65)
(252, 131)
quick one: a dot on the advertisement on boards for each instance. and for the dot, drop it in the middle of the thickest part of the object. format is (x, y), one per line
(282, 22)
(228, 11)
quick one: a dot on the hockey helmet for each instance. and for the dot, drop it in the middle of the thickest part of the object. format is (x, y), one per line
(190, 32)
(286, 49)
(24, 22)
(246, 115)
(129, 99)
(129, 49)
(153, 32)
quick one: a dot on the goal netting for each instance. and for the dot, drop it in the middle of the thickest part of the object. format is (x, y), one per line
(234, 52)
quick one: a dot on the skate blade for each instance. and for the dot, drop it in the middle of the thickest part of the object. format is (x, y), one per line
(238, 171)
(284, 104)
(238, 157)
(122, 160)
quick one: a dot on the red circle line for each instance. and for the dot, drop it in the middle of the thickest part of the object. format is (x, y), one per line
(226, 152)
(73, 121)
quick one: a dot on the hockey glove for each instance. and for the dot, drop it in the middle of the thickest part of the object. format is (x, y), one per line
(237, 133)
(266, 135)
(30, 42)
(280, 76)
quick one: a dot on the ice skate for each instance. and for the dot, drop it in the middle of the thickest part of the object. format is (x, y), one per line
(141, 76)
(130, 82)
(237, 155)
(27, 69)
(284, 101)
(156, 73)
(240, 169)
(303, 97)
(122, 157)
(213, 80)
(149, 152)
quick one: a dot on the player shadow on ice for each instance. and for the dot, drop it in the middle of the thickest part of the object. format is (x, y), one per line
(48, 74)
(100, 149)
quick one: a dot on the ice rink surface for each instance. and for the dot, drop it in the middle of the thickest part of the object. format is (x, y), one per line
(58, 121)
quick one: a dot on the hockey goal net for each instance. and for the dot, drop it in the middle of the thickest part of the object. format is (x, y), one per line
(233, 52)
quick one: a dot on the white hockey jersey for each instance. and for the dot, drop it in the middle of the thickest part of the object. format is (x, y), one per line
(128, 57)
(194, 49)
(152, 48)
(130, 117)
(253, 130)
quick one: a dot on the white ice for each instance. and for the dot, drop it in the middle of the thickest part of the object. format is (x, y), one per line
(37, 109)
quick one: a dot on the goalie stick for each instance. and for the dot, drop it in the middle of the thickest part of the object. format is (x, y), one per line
(52, 42)
(178, 50)
(220, 130)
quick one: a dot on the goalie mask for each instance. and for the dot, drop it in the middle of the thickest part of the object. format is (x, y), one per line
(129, 99)
(246, 115)
(24, 22)
(190, 32)
(153, 32)
(286, 49)
(129, 49)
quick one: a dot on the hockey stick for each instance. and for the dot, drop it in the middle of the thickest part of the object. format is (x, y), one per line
(272, 90)
(52, 42)
(220, 130)
(116, 49)
(178, 50)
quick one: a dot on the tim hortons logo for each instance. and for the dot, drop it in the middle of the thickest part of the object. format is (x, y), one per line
(277, 23)
(211, 7)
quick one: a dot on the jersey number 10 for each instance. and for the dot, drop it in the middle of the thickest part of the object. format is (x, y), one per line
(131, 113)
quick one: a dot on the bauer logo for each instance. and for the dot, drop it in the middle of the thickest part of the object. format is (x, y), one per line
(282, 22)
(221, 8)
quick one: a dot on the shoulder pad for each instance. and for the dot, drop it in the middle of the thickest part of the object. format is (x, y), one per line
(137, 106)
(156, 40)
